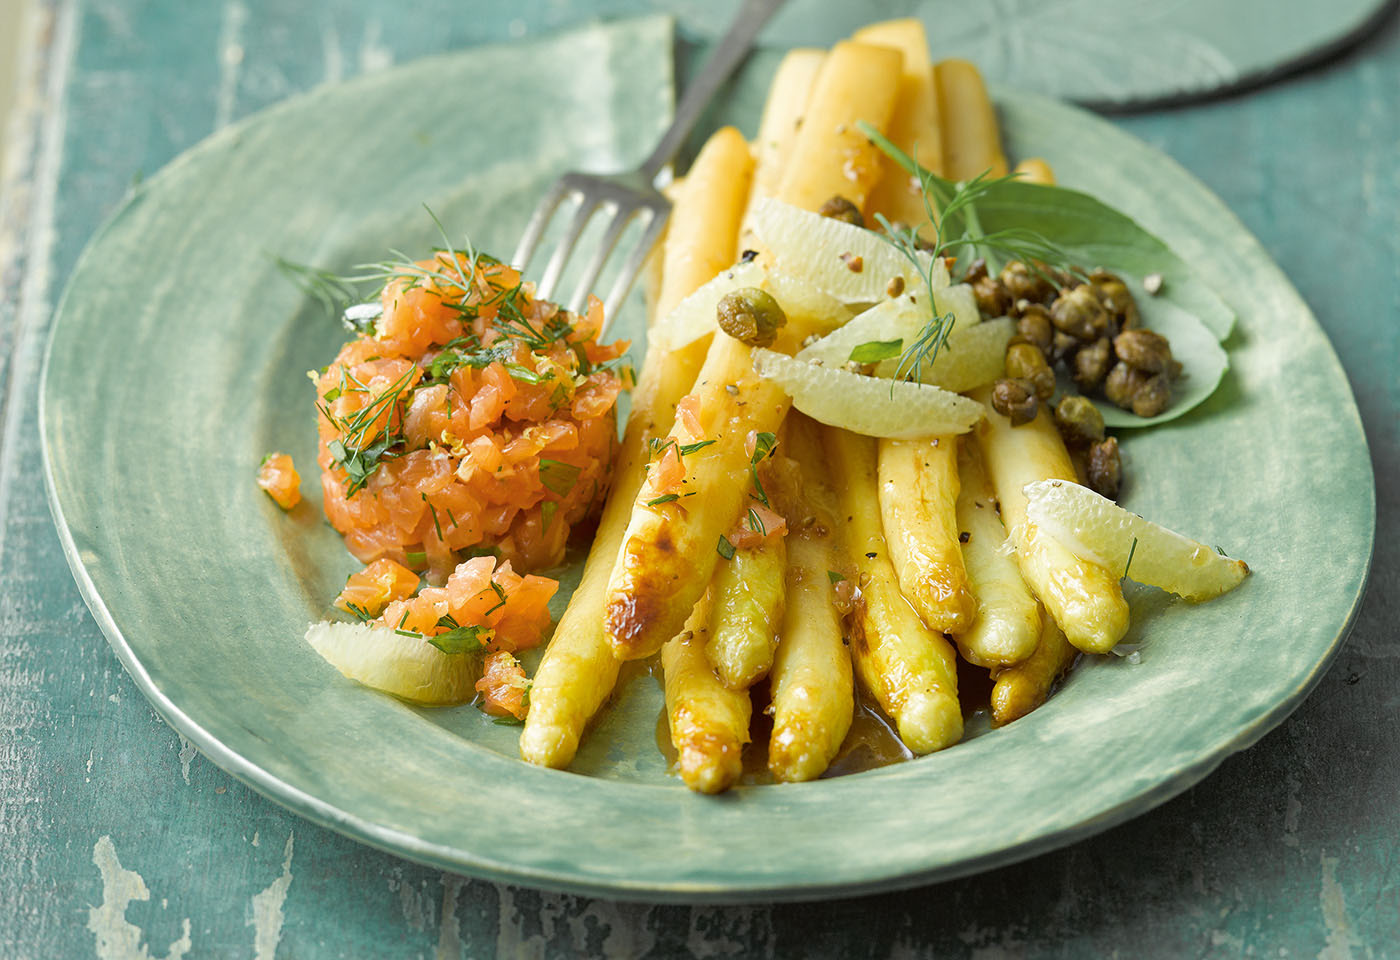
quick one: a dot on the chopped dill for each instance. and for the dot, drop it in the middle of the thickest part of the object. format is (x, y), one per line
(1131, 550)
(360, 612)
(756, 523)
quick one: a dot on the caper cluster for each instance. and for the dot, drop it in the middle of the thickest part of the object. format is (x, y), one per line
(1092, 328)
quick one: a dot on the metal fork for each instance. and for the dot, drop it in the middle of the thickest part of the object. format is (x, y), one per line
(633, 194)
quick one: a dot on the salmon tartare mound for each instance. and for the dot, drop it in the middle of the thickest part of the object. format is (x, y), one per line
(467, 417)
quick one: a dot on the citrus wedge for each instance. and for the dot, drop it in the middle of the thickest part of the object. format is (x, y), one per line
(694, 317)
(801, 300)
(973, 355)
(877, 408)
(850, 263)
(405, 666)
(1099, 530)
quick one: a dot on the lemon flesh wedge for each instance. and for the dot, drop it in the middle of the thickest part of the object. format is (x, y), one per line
(407, 667)
(694, 317)
(1097, 529)
(974, 355)
(803, 302)
(847, 262)
(876, 408)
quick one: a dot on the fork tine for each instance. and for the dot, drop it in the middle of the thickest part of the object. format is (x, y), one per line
(552, 271)
(534, 230)
(621, 219)
(633, 264)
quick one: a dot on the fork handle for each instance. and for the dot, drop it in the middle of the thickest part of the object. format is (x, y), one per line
(731, 50)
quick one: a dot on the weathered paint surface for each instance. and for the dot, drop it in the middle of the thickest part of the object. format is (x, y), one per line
(117, 841)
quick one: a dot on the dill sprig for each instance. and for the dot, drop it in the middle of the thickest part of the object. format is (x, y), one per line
(951, 209)
(333, 293)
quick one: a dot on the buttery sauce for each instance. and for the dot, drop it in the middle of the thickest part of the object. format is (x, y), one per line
(871, 743)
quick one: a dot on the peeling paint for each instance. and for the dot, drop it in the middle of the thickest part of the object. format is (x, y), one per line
(730, 932)
(187, 755)
(449, 929)
(1292, 808)
(412, 901)
(1340, 938)
(117, 937)
(267, 908)
(533, 926)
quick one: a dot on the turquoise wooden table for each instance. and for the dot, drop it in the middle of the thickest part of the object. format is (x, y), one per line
(118, 840)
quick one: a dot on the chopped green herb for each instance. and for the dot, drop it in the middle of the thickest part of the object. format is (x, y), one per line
(547, 511)
(266, 457)
(665, 498)
(433, 510)
(558, 477)
(466, 639)
(1131, 550)
(508, 721)
(874, 351)
(834, 577)
(360, 612)
(416, 556)
(361, 452)
(725, 548)
(763, 446)
(501, 601)
(756, 523)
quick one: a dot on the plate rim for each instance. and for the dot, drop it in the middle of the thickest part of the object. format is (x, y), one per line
(400, 843)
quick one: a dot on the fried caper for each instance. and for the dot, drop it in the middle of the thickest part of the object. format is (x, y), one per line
(1034, 325)
(1079, 421)
(992, 300)
(1063, 347)
(1015, 400)
(1079, 313)
(839, 208)
(1025, 361)
(1122, 384)
(1105, 471)
(1153, 396)
(1091, 364)
(1117, 299)
(751, 316)
(1147, 351)
(1023, 282)
(976, 271)
(1145, 394)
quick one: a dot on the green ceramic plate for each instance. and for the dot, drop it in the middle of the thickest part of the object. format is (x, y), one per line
(179, 358)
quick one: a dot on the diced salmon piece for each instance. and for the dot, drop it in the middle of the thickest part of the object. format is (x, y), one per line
(280, 479)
